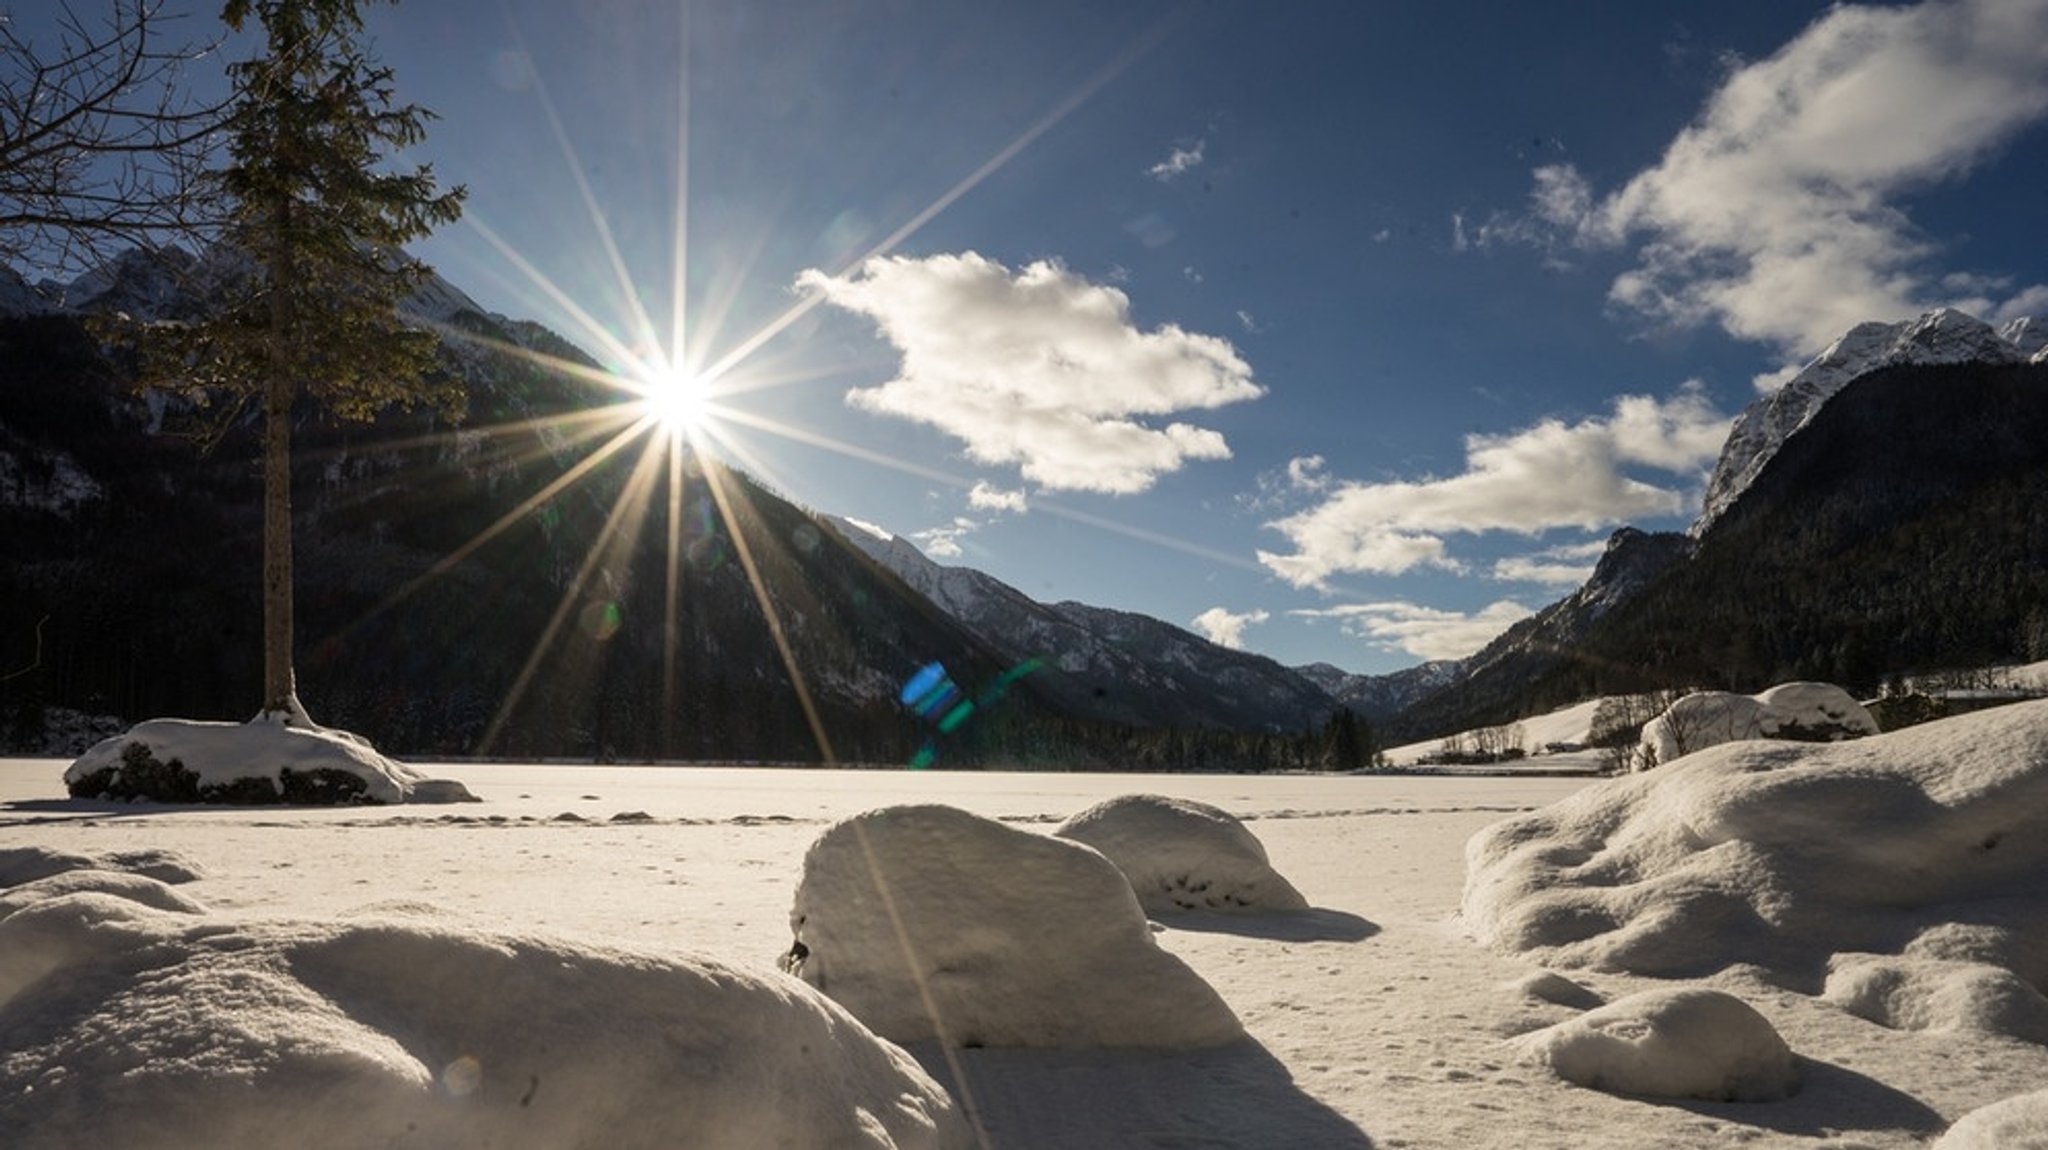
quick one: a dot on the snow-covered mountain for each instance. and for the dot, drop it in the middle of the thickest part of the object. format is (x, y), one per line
(1939, 337)
(1124, 666)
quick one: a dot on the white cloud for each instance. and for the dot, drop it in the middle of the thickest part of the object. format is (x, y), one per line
(985, 496)
(1551, 475)
(1305, 473)
(1040, 368)
(1424, 632)
(1179, 162)
(1226, 628)
(1567, 566)
(944, 542)
(1778, 214)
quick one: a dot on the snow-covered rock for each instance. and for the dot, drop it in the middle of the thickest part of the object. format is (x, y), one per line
(1909, 993)
(1782, 854)
(265, 760)
(1181, 855)
(1687, 1042)
(1811, 712)
(145, 1028)
(2017, 1123)
(1944, 336)
(1012, 938)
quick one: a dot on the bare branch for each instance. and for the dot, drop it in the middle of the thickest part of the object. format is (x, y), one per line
(103, 139)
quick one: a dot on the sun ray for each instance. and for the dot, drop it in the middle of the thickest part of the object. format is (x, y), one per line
(620, 532)
(714, 481)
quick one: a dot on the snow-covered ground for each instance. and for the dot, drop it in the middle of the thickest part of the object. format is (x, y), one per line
(454, 950)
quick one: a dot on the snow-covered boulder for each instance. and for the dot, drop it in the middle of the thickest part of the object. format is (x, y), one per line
(2017, 1123)
(1784, 855)
(1181, 855)
(1908, 993)
(265, 760)
(1012, 938)
(151, 1029)
(1809, 712)
(1689, 1042)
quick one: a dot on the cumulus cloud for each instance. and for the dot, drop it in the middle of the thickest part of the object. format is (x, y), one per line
(1225, 628)
(1551, 475)
(1040, 368)
(1425, 632)
(1778, 213)
(985, 496)
(1179, 162)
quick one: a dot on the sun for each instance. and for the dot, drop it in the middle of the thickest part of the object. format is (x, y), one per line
(675, 398)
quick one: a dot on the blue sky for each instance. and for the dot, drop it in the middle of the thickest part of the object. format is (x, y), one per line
(1349, 330)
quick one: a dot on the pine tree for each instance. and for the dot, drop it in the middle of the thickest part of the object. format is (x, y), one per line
(321, 217)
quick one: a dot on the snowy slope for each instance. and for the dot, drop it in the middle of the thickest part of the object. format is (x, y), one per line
(1120, 666)
(1939, 337)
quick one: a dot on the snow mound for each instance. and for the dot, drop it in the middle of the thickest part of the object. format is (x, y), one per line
(2017, 1123)
(26, 864)
(1811, 712)
(133, 1026)
(1554, 988)
(1011, 938)
(1785, 854)
(1937, 994)
(265, 760)
(1690, 1042)
(1181, 855)
(139, 888)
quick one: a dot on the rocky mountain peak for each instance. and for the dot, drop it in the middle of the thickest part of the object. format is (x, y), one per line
(1939, 337)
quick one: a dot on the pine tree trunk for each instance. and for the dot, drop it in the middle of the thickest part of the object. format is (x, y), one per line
(280, 689)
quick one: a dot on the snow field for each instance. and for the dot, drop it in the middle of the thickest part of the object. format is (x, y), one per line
(1372, 1020)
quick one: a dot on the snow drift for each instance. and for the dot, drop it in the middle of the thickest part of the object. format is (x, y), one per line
(1811, 712)
(928, 922)
(1689, 1042)
(265, 760)
(1181, 855)
(1922, 844)
(129, 1024)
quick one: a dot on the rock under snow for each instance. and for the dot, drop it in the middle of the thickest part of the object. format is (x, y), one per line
(265, 760)
(2017, 1123)
(1811, 712)
(1013, 938)
(1689, 1042)
(1922, 842)
(1181, 855)
(1909, 993)
(132, 1026)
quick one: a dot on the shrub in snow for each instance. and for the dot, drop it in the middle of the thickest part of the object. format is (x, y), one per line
(265, 760)
(1783, 854)
(1012, 938)
(132, 1026)
(2017, 1123)
(1810, 712)
(1937, 994)
(1684, 1043)
(1181, 855)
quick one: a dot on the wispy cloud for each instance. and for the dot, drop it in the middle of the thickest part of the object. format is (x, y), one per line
(1779, 213)
(1040, 368)
(1182, 160)
(1563, 567)
(1425, 632)
(944, 542)
(1547, 476)
(1225, 628)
